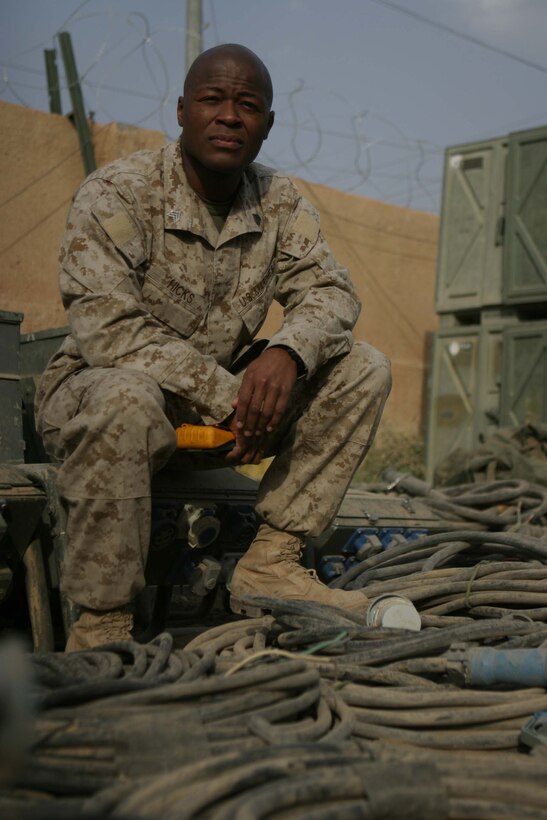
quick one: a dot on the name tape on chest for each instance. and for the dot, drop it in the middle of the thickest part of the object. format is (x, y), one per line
(180, 292)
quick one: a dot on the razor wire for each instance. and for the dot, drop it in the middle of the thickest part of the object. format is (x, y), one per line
(339, 144)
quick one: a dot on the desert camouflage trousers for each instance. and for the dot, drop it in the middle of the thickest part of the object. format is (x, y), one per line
(112, 429)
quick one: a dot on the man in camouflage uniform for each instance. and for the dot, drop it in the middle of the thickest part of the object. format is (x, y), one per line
(170, 261)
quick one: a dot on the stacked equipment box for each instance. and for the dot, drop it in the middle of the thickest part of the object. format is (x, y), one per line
(489, 358)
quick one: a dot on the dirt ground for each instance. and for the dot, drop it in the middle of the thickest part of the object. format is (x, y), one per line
(404, 452)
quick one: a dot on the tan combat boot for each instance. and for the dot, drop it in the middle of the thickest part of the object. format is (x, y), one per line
(270, 568)
(94, 628)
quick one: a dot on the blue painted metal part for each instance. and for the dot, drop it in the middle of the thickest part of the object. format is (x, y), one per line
(332, 566)
(359, 538)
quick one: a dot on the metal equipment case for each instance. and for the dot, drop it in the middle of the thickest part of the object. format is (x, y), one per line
(469, 268)
(12, 447)
(525, 244)
(489, 363)
(483, 377)
(524, 373)
(465, 389)
(493, 243)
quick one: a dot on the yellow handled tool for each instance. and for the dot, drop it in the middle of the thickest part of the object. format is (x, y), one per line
(202, 437)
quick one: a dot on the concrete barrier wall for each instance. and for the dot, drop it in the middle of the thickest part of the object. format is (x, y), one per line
(390, 251)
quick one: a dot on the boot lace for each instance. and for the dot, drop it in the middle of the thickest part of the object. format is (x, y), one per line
(293, 553)
(291, 550)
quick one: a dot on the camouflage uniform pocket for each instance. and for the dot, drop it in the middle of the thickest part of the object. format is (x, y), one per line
(174, 308)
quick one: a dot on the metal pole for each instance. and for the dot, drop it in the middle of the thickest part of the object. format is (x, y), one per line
(54, 91)
(194, 44)
(78, 111)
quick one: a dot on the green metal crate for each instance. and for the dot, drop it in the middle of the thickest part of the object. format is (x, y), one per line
(36, 350)
(525, 256)
(469, 267)
(466, 385)
(11, 429)
(524, 374)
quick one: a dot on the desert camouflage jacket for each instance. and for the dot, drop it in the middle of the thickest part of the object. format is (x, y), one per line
(149, 284)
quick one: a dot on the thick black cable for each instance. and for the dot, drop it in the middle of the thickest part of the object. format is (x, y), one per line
(532, 546)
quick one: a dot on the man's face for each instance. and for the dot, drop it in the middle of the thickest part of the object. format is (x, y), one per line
(225, 115)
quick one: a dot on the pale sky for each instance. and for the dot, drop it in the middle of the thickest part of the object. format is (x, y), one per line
(367, 93)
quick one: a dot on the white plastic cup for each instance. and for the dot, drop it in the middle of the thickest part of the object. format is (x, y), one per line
(394, 611)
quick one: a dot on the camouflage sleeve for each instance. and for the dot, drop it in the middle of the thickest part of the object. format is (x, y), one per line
(319, 301)
(103, 259)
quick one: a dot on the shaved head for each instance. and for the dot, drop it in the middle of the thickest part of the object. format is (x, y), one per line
(229, 51)
(225, 116)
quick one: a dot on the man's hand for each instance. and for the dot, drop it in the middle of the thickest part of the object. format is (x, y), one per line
(261, 403)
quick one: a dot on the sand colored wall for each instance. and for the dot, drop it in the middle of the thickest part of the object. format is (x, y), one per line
(391, 253)
(389, 250)
(40, 168)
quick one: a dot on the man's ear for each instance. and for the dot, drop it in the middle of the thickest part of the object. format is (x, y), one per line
(271, 119)
(180, 109)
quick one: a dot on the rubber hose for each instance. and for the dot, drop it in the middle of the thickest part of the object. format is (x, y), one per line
(532, 545)
(433, 718)
(447, 739)
(492, 810)
(425, 643)
(301, 731)
(374, 697)
(225, 775)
